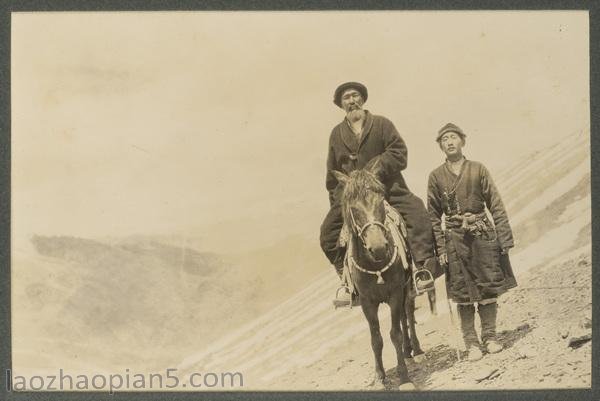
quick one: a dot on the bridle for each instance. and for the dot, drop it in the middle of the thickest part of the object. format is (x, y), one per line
(360, 230)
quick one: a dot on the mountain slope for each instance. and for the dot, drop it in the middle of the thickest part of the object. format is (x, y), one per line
(153, 299)
(134, 303)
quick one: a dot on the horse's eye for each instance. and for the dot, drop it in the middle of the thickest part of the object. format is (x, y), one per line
(357, 214)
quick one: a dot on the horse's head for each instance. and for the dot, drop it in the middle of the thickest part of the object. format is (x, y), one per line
(363, 209)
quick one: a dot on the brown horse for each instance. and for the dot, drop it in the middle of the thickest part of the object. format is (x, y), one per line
(377, 271)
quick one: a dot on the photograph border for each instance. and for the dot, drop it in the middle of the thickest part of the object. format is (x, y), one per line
(7, 7)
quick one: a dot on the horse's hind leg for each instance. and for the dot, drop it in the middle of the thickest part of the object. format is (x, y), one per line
(432, 302)
(370, 311)
(410, 313)
(396, 335)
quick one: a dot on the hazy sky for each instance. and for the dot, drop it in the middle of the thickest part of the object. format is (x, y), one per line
(155, 122)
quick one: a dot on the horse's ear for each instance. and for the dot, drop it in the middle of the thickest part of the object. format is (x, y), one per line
(341, 177)
(374, 166)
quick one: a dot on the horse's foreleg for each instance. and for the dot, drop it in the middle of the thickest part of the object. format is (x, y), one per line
(410, 314)
(370, 311)
(396, 335)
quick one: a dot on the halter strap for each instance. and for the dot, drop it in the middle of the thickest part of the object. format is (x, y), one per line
(376, 272)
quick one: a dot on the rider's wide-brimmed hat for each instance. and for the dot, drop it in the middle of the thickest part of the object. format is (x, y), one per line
(337, 96)
(450, 128)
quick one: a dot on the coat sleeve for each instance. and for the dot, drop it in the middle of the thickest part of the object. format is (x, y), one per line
(330, 180)
(435, 210)
(395, 155)
(496, 208)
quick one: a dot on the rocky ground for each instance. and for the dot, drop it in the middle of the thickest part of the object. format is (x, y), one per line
(544, 325)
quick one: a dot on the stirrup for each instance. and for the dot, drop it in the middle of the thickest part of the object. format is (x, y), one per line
(345, 303)
(423, 281)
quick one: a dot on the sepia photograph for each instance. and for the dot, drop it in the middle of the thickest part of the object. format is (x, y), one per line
(300, 201)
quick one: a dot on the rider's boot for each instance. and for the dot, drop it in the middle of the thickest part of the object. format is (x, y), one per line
(343, 296)
(339, 269)
(355, 299)
(467, 325)
(487, 314)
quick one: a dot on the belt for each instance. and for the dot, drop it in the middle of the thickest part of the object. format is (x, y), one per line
(474, 223)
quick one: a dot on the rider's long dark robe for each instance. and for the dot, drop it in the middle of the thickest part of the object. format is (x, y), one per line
(347, 153)
(476, 268)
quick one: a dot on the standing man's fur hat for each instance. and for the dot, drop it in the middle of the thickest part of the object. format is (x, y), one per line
(450, 128)
(337, 96)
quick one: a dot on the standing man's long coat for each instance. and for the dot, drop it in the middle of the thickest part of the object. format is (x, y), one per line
(476, 268)
(346, 153)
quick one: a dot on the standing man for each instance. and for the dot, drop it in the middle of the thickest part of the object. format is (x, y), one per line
(474, 249)
(359, 139)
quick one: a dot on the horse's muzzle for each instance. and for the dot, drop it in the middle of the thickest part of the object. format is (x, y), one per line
(379, 253)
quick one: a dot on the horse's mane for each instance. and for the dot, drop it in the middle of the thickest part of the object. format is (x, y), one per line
(361, 185)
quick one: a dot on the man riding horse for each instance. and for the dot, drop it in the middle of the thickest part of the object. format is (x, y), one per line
(359, 140)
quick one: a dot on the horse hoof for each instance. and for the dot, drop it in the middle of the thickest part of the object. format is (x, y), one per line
(377, 384)
(407, 387)
(419, 358)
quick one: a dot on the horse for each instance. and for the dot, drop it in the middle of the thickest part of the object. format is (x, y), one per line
(377, 271)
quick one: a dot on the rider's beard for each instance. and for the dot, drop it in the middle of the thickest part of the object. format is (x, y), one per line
(355, 115)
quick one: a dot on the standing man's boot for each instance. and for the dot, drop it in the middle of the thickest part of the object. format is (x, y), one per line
(487, 314)
(467, 325)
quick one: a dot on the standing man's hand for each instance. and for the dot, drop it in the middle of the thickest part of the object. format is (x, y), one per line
(443, 258)
(504, 251)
